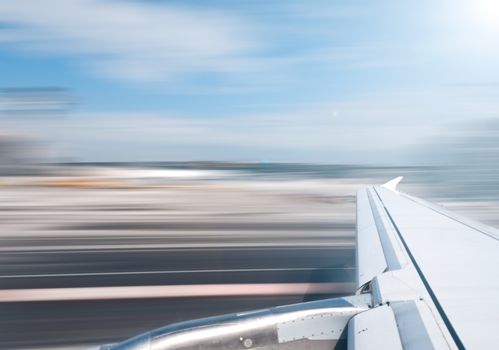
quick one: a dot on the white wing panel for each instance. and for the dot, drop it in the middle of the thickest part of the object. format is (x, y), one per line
(458, 265)
(417, 327)
(374, 329)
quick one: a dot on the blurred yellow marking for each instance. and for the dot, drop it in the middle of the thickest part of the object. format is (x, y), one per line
(86, 183)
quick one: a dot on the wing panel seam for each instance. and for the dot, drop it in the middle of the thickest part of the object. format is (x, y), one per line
(439, 307)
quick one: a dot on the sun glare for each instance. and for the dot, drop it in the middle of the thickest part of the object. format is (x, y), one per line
(486, 14)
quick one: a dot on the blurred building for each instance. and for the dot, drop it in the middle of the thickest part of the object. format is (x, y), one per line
(23, 144)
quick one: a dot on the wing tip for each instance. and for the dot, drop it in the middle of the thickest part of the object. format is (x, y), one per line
(392, 184)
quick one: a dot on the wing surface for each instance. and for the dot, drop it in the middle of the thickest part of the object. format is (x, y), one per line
(437, 271)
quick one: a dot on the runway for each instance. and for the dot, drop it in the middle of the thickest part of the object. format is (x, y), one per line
(177, 266)
(224, 280)
(89, 266)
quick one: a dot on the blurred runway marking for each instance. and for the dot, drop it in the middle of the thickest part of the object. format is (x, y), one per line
(172, 291)
(152, 272)
(180, 247)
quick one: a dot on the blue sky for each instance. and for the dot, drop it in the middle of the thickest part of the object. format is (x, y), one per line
(318, 81)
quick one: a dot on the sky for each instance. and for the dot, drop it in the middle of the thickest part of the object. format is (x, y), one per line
(293, 81)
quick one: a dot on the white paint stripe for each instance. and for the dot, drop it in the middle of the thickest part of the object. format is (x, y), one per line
(149, 272)
(171, 291)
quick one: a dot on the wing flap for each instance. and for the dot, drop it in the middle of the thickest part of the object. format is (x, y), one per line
(370, 256)
(374, 329)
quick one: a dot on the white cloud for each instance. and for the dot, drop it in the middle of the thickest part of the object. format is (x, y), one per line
(131, 40)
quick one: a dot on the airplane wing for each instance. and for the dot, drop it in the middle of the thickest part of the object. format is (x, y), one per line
(434, 272)
(426, 278)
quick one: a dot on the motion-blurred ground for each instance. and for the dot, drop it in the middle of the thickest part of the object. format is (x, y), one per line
(69, 227)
